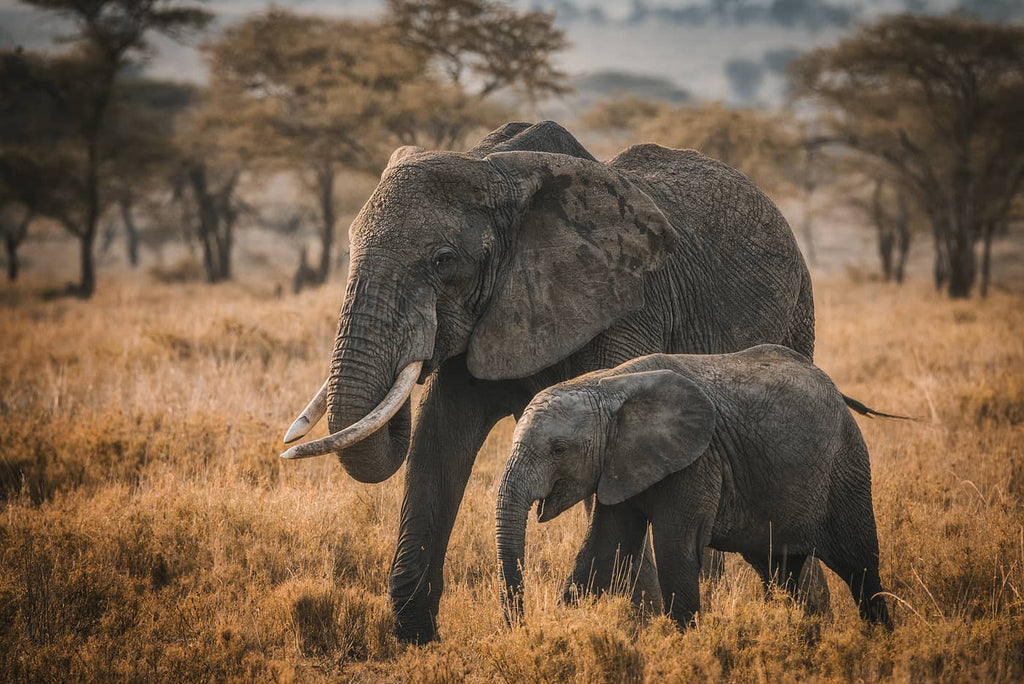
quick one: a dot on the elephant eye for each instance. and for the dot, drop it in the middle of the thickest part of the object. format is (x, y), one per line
(559, 448)
(443, 259)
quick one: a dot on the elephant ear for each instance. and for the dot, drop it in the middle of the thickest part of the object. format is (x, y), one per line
(586, 236)
(663, 424)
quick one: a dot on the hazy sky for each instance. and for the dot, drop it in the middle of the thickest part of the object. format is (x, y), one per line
(692, 57)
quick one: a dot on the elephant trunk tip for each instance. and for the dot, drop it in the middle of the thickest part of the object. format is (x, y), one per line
(512, 605)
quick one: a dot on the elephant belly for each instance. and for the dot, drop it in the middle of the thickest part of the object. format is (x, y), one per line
(766, 539)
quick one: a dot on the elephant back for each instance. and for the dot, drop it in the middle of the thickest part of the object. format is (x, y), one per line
(737, 254)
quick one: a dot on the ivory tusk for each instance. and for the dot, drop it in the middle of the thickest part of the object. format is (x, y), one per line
(372, 422)
(309, 417)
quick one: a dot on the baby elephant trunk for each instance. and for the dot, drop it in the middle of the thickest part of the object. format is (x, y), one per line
(520, 487)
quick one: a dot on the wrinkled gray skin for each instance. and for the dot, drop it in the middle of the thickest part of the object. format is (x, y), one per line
(753, 452)
(523, 263)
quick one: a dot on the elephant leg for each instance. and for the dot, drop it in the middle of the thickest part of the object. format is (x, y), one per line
(859, 569)
(680, 545)
(615, 556)
(781, 570)
(455, 415)
(852, 553)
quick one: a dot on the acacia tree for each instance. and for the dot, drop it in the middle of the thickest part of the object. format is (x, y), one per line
(109, 34)
(766, 147)
(877, 196)
(480, 47)
(214, 151)
(143, 116)
(317, 94)
(939, 101)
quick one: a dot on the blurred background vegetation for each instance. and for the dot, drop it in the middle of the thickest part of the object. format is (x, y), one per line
(903, 130)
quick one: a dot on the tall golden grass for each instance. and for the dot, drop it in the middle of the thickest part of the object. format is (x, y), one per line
(149, 531)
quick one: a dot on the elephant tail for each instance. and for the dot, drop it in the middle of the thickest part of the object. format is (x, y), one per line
(870, 412)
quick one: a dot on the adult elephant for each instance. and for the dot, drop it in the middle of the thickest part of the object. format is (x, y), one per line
(494, 274)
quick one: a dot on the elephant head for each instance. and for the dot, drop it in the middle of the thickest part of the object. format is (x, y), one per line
(613, 435)
(516, 260)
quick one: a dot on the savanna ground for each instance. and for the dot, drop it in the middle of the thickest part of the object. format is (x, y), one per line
(149, 531)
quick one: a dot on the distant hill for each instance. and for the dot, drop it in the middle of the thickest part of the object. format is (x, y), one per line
(602, 84)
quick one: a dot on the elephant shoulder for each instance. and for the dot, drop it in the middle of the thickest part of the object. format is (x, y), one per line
(546, 136)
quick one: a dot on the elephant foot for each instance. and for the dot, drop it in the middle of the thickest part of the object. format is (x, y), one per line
(414, 630)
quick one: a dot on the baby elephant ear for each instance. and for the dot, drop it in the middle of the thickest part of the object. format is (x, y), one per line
(663, 423)
(586, 236)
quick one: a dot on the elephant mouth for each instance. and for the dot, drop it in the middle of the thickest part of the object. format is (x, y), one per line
(555, 502)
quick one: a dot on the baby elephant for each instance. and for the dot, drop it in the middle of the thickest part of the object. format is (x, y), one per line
(753, 452)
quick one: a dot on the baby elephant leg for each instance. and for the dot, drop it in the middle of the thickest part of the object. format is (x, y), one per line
(851, 551)
(856, 562)
(679, 568)
(615, 557)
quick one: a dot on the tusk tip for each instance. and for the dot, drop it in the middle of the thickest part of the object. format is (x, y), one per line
(298, 429)
(291, 453)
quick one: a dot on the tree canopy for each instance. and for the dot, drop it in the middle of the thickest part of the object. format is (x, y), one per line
(940, 101)
(67, 150)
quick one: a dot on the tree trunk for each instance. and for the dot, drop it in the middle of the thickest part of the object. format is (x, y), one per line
(986, 258)
(11, 247)
(961, 267)
(902, 250)
(87, 283)
(325, 182)
(228, 244)
(884, 230)
(215, 225)
(12, 240)
(885, 245)
(130, 231)
(902, 236)
(941, 267)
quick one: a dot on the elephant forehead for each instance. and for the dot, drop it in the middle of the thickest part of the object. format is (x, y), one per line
(421, 201)
(558, 412)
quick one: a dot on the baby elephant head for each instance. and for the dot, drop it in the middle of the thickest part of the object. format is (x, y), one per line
(613, 435)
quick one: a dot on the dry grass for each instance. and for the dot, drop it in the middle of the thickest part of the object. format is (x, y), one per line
(149, 531)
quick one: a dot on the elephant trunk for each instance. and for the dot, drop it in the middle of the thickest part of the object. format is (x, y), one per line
(520, 487)
(374, 356)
